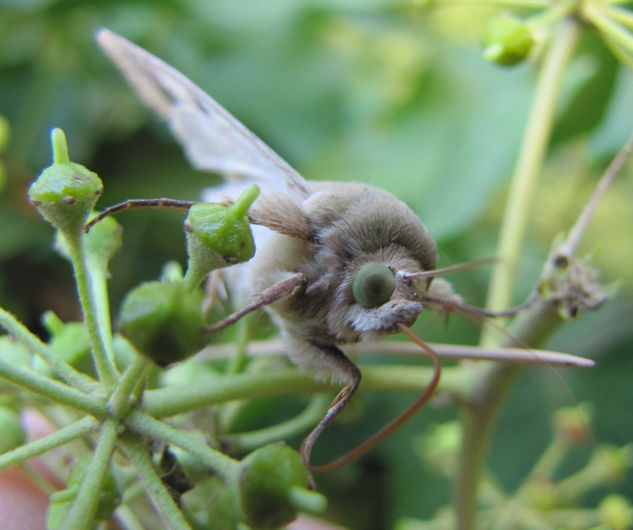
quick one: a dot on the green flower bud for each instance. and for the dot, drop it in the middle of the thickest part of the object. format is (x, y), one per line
(69, 341)
(13, 434)
(65, 192)
(219, 235)
(572, 423)
(616, 512)
(73, 346)
(164, 321)
(507, 40)
(541, 494)
(16, 354)
(224, 512)
(272, 487)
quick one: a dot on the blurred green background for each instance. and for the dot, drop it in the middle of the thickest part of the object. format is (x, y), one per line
(384, 92)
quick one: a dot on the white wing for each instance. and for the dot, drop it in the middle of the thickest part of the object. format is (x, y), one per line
(213, 139)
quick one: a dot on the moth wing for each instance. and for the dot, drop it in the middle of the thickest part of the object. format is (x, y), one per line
(212, 138)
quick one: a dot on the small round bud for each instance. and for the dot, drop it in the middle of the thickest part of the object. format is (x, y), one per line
(272, 487)
(572, 423)
(16, 354)
(541, 494)
(65, 192)
(507, 40)
(218, 235)
(616, 511)
(164, 321)
(223, 512)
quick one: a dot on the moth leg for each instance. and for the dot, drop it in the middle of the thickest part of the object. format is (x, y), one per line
(272, 294)
(346, 369)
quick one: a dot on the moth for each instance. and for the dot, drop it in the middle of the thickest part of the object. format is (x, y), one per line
(336, 263)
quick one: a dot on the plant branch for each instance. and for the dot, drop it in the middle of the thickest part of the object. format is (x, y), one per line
(41, 445)
(408, 349)
(83, 280)
(120, 399)
(195, 444)
(159, 494)
(178, 399)
(305, 420)
(52, 390)
(82, 512)
(491, 383)
(15, 328)
(528, 168)
(568, 246)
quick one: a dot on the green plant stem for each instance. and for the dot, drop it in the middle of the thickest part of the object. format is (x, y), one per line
(178, 399)
(609, 27)
(120, 399)
(624, 16)
(528, 168)
(81, 514)
(164, 503)
(551, 458)
(41, 445)
(238, 361)
(101, 359)
(492, 383)
(15, 328)
(128, 518)
(102, 306)
(195, 444)
(307, 419)
(52, 390)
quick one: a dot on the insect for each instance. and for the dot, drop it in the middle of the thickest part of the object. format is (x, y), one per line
(337, 263)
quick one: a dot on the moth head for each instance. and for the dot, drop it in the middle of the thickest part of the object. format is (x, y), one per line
(381, 297)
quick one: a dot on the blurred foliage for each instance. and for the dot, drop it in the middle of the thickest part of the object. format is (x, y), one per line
(379, 91)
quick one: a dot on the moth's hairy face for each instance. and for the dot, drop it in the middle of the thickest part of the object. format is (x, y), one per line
(355, 320)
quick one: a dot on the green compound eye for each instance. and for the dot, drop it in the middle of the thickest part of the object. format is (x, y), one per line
(373, 285)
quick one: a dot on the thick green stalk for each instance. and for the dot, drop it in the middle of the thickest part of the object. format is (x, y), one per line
(305, 420)
(14, 327)
(165, 504)
(91, 319)
(51, 389)
(491, 383)
(195, 444)
(178, 399)
(120, 400)
(82, 512)
(41, 445)
(528, 168)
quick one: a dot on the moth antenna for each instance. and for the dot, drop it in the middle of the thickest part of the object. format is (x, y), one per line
(479, 312)
(483, 314)
(447, 270)
(397, 422)
(139, 203)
